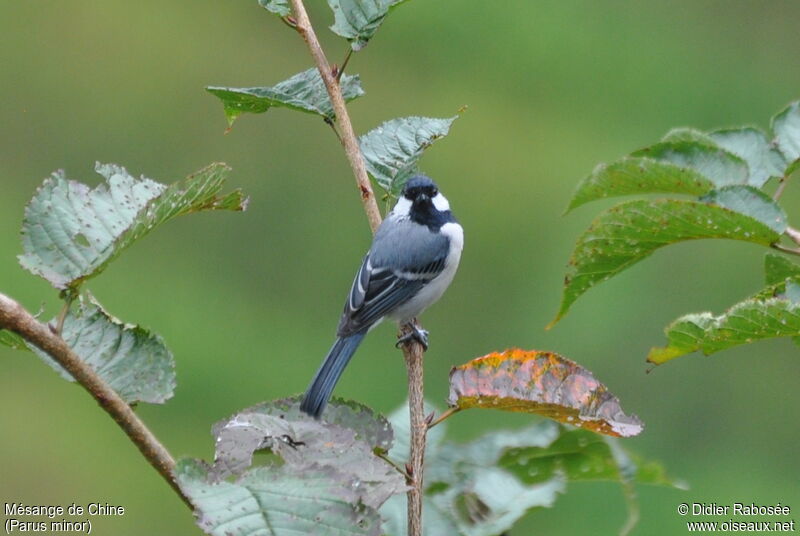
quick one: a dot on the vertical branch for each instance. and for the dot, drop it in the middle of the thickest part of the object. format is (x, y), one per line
(349, 139)
(413, 351)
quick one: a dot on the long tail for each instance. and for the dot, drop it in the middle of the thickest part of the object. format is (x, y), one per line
(324, 381)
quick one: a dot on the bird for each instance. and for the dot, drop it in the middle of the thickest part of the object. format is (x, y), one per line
(412, 260)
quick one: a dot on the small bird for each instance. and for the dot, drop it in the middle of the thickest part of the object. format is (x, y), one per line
(412, 260)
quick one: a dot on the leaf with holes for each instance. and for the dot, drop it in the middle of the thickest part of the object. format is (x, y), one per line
(345, 441)
(639, 175)
(279, 501)
(133, 361)
(748, 321)
(629, 232)
(71, 232)
(358, 20)
(392, 150)
(304, 92)
(544, 383)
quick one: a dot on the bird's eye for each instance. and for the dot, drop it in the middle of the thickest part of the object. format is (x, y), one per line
(434, 191)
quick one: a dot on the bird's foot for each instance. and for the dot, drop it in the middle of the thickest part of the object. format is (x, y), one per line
(416, 334)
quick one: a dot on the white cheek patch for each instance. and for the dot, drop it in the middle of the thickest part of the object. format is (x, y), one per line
(440, 202)
(403, 207)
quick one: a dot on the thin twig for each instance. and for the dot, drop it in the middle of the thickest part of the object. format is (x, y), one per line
(793, 234)
(340, 70)
(349, 139)
(388, 460)
(331, 124)
(783, 248)
(412, 351)
(781, 187)
(448, 412)
(14, 317)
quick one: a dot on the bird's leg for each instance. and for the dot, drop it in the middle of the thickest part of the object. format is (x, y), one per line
(413, 332)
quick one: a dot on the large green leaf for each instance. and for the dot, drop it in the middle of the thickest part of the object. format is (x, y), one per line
(392, 150)
(638, 175)
(751, 144)
(715, 163)
(777, 268)
(358, 20)
(304, 92)
(748, 321)
(275, 501)
(624, 235)
(279, 7)
(750, 202)
(786, 125)
(132, 360)
(71, 232)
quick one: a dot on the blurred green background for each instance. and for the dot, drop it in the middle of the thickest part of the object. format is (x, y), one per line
(248, 302)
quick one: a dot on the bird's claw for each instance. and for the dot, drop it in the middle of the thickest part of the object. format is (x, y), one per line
(416, 334)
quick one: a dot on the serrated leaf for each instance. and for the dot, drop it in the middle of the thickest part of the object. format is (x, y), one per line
(718, 165)
(12, 340)
(752, 146)
(638, 175)
(392, 150)
(133, 361)
(71, 232)
(629, 232)
(745, 322)
(358, 20)
(687, 134)
(750, 202)
(304, 92)
(279, 7)
(777, 268)
(544, 383)
(306, 443)
(278, 501)
(786, 126)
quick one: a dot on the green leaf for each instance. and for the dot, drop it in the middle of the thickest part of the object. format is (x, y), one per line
(344, 442)
(544, 383)
(71, 233)
(278, 501)
(304, 92)
(777, 268)
(358, 20)
(639, 175)
(392, 150)
(12, 340)
(718, 165)
(133, 361)
(751, 144)
(627, 233)
(685, 134)
(750, 202)
(279, 7)
(746, 322)
(786, 125)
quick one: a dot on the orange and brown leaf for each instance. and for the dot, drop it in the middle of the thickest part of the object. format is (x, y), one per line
(544, 383)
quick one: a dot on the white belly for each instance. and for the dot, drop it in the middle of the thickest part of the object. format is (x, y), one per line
(431, 292)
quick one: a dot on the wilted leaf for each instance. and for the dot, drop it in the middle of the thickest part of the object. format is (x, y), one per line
(275, 501)
(392, 150)
(750, 202)
(71, 233)
(279, 7)
(12, 340)
(544, 383)
(358, 20)
(786, 126)
(715, 163)
(304, 92)
(306, 443)
(638, 175)
(132, 360)
(752, 146)
(748, 321)
(777, 268)
(629, 232)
